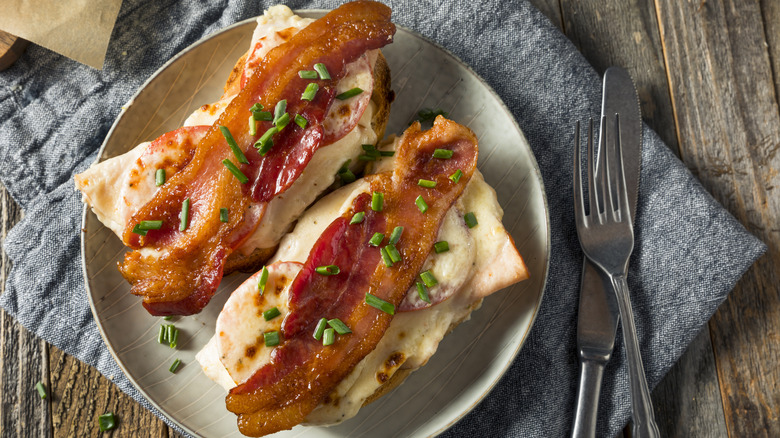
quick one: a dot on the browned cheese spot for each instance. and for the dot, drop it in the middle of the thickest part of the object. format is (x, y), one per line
(381, 377)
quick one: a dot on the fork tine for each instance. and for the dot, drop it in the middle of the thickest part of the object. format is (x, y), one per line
(579, 202)
(609, 166)
(593, 206)
(622, 192)
(601, 185)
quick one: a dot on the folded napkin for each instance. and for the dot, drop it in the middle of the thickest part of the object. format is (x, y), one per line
(54, 114)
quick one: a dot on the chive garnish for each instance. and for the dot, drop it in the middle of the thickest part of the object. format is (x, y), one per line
(368, 148)
(256, 107)
(366, 157)
(106, 422)
(265, 142)
(271, 313)
(322, 70)
(442, 153)
(252, 126)
(377, 200)
(173, 341)
(235, 171)
(233, 145)
(386, 257)
(138, 230)
(223, 215)
(301, 121)
(428, 278)
(167, 318)
(42, 389)
(441, 247)
(387, 153)
(392, 251)
(422, 292)
(174, 366)
(421, 205)
(161, 335)
(327, 270)
(328, 336)
(471, 220)
(428, 184)
(263, 280)
(357, 218)
(159, 177)
(282, 121)
(339, 326)
(380, 304)
(321, 325)
(345, 166)
(271, 338)
(455, 177)
(428, 114)
(169, 329)
(376, 239)
(184, 216)
(395, 235)
(150, 225)
(279, 109)
(263, 116)
(310, 92)
(349, 93)
(347, 176)
(307, 74)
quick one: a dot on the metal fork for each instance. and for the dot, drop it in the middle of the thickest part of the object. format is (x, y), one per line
(606, 235)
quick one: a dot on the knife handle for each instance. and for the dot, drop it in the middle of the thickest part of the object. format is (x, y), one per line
(591, 373)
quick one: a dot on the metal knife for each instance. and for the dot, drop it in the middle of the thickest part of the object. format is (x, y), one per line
(598, 311)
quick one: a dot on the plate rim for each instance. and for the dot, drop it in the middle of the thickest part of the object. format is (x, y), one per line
(534, 166)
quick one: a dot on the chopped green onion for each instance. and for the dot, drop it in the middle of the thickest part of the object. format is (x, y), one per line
(184, 216)
(339, 326)
(263, 116)
(357, 218)
(428, 114)
(159, 177)
(441, 247)
(387, 153)
(167, 318)
(428, 278)
(422, 292)
(280, 109)
(161, 337)
(395, 235)
(106, 422)
(369, 148)
(282, 121)
(301, 121)
(310, 92)
(235, 171)
(256, 107)
(392, 251)
(271, 338)
(263, 280)
(233, 145)
(320, 328)
(307, 74)
(252, 126)
(349, 93)
(428, 184)
(223, 215)
(471, 220)
(347, 176)
(442, 153)
(169, 329)
(150, 225)
(271, 313)
(386, 257)
(421, 205)
(172, 342)
(265, 142)
(377, 200)
(322, 70)
(42, 389)
(380, 304)
(174, 366)
(138, 230)
(328, 336)
(455, 177)
(327, 270)
(376, 239)
(366, 157)
(344, 167)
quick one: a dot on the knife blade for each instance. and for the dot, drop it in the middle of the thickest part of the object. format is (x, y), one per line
(598, 313)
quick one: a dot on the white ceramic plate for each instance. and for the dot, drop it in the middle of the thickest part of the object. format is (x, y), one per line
(469, 361)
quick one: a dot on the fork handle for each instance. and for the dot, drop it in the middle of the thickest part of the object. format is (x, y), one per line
(591, 373)
(641, 405)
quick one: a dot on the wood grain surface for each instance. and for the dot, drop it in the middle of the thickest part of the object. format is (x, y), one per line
(708, 75)
(11, 48)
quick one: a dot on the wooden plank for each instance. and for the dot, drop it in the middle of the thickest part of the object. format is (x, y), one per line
(22, 356)
(11, 48)
(729, 129)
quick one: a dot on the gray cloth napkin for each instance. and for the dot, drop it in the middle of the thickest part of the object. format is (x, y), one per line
(54, 114)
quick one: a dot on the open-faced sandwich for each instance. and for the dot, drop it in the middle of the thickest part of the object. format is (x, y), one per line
(217, 194)
(365, 287)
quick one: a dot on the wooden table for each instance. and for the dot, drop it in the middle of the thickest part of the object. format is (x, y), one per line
(708, 73)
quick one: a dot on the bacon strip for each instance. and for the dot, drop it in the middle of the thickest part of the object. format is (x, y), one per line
(302, 371)
(184, 275)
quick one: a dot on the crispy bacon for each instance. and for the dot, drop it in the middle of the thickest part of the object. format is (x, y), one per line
(187, 267)
(302, 371)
